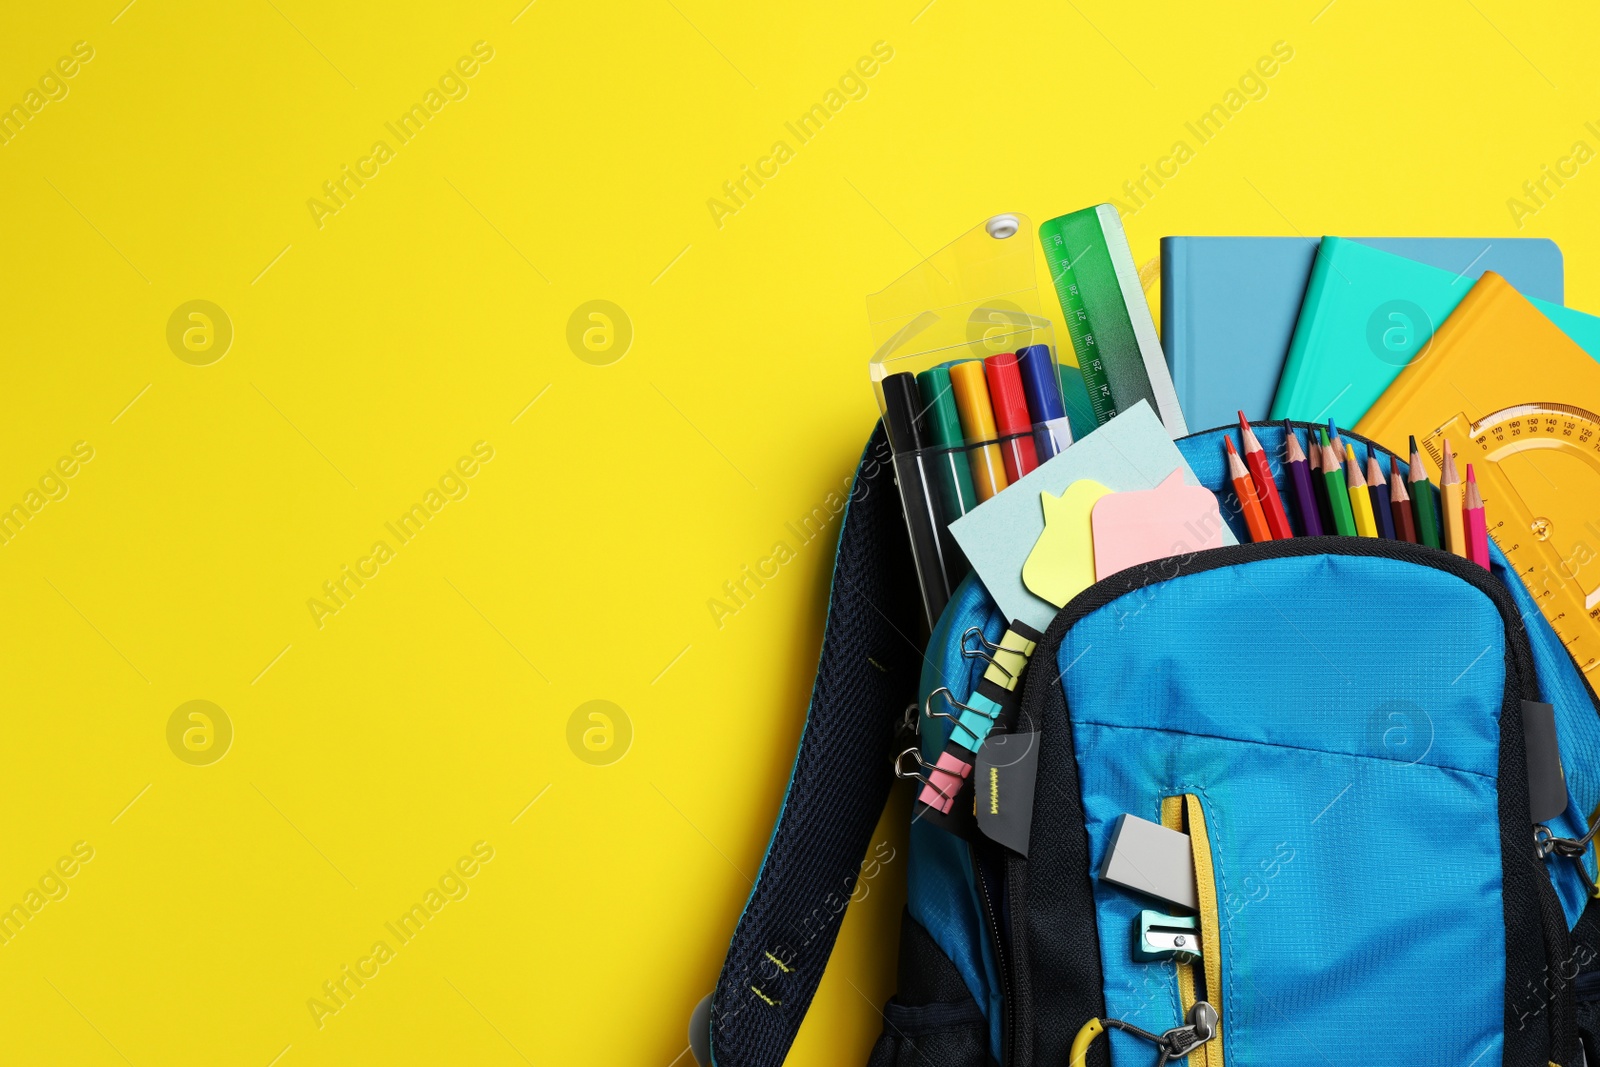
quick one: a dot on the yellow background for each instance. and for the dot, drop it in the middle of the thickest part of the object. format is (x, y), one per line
(370, 353)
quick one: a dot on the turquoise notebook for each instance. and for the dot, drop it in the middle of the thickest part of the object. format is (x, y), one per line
(1366, 314)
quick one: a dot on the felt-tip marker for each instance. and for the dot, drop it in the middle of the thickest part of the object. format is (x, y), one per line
(978, 428)
(911, 449)
(1011, 415)
(1047, 406)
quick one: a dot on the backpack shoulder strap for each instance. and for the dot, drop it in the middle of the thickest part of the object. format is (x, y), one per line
(867, 675)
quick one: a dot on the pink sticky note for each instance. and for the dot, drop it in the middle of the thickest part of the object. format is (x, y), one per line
(1172, 519)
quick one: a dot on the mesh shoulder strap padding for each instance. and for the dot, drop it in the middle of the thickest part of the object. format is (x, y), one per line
(866, 676)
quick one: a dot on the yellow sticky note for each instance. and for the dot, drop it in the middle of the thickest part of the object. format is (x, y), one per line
(1061, 564)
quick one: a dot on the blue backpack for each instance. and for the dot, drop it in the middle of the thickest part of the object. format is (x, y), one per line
(1337, 724)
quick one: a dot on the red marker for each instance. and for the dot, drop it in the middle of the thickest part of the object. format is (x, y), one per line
(1266, 486)
(1011, 416)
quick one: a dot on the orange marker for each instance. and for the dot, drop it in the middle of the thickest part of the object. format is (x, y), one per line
(978, 428)
(1266, 485)
(1245, 489)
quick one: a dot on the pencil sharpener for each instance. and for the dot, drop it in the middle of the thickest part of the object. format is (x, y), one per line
(1166, 937)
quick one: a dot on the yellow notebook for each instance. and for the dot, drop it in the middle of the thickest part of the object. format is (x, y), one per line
(1520, 402)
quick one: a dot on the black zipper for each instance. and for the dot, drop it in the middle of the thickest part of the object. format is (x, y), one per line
(991, 922)
(1524, 686)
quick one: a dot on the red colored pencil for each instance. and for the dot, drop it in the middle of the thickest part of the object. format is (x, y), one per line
(1249, 502)
(1266, 485)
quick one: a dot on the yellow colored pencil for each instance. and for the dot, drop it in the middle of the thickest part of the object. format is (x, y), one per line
(1360, 499)
(1453, 504)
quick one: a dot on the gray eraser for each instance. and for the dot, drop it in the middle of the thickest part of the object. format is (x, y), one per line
(1148, 858)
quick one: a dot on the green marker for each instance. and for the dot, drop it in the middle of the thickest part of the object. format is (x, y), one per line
(1108, 317)
(949, 467)
(1423, 502)
(1344, 520)
(953, 472)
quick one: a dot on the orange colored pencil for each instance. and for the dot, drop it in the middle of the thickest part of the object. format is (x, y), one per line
(1249, 502)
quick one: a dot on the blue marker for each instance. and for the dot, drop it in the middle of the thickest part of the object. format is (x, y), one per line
(1052, 432)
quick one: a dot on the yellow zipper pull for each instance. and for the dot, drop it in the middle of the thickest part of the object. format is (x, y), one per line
(1174, 1044)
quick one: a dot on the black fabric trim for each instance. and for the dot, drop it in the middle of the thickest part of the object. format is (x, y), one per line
(915, 1020)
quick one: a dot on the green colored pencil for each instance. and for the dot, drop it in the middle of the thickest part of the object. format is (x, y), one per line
(1344, 520)
(1423, 502)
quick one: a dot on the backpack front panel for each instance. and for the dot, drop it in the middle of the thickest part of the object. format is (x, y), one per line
(1338, 719)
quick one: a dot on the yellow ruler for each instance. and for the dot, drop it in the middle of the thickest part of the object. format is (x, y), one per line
(1538, 466)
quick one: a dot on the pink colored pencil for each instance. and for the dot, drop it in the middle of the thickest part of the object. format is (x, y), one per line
(1477, 525)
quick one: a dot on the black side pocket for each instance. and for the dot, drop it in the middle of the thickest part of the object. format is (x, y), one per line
(932, 1021)
(1586, 981)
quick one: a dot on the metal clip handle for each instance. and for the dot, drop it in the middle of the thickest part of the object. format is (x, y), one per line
(950, 698)
(920, 774)
(984, 650)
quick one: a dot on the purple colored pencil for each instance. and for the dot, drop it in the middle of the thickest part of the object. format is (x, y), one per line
(1305, 497)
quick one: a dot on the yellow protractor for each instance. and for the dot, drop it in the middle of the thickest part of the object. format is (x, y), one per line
(1538, 466)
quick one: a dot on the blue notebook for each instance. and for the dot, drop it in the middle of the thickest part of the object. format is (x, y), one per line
(1229, 306)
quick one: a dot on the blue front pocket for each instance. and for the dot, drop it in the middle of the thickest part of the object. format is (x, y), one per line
(1338, 715)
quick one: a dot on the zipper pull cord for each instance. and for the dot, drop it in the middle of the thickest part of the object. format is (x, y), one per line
(1546, 842)
(1174, 1044)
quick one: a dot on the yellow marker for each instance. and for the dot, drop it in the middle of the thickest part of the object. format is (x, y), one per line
(1061, 564)
(978, 428)
(1450, 492)
(1360, 499)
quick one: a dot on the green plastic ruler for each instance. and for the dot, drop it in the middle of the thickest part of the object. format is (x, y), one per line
(1108, 319)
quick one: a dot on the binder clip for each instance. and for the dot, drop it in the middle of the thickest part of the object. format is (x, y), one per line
(985, 650)
(923, 773)
(976, 719)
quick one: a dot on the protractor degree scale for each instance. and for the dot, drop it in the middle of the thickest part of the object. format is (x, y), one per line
(1538, 466)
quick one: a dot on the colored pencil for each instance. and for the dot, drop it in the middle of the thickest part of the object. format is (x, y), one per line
(1318, 482)
(1476, 522)
(1405, 523)
(1336, 441)
(1305, 497)
(1255, 458)
(1378, 488)
(1344, 520)
(1249, 503)
(1360, 499)
(1455, 533)
(1423, 502)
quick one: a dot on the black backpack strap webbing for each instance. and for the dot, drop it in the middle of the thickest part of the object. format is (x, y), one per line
(866, 676)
